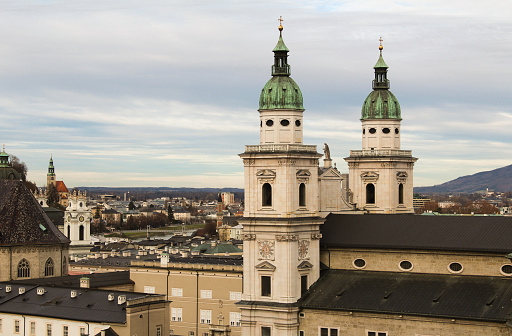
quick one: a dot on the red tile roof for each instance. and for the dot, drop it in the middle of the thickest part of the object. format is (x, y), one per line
(61, 187)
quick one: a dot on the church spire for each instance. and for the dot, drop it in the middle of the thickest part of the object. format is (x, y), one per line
(281, 66)
(51, 168)
(381, 69)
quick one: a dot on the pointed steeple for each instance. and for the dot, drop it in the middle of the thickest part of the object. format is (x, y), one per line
(381, 69)
(281, 66)
(51, 168)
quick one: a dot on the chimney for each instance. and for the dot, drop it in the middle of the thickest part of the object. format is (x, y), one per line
(21, 290)
(85, 282)
(121, 299)
(74, 293)
(40, 291)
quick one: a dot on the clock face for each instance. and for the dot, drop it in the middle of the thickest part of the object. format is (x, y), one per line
(266, 249)
(303, 249)
(81, 218)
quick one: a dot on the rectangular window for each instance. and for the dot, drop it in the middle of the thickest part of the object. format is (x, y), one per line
(149, 289)
(235, 296)
(266, 289)
(16, 326)
(303, 284)
(32, 328)
(302, 333)
(65, 330)
(159, 331)
(206, 316)
(266, 331)
(1, 325)
(206, 294)
(377, 333)
(234, 319)
(177, 292)
(82, 330)
(328, 331)
(176, 314)
(48, 330)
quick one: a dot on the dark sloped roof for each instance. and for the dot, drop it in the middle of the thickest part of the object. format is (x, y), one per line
(451, 296)
(108, 332)
(22, 220)
(90, 305)
(447, 233)
(96, 280)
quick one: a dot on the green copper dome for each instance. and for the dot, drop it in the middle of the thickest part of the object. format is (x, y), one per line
(381, 103)
(281, 91)
(6, 171)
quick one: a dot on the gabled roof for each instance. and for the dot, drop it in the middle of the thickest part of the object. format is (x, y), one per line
(61, 186)
(22, 220)
(438, 295)
(415, 232)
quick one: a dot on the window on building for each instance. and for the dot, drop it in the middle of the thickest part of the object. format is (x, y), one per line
(23, 268)
(177, 292)
(206, 316)
(302, 333)
(1, 325)
(149, 289)
(328, 331)
(48, 267)
(176, 314)
(32, 328)
(401, 193)
(234, 319)
(81, 232)
(266, 331)
(302, 195)
(266, 195)
(303, 284)
(235, 296)
(370, 193)
(48, 330)
(191, 333)
(82, 331)
(206, 294)
(158, 330)
(16, 326)
(65, 330)
(266, 289)
(69, 231)
(377, 333)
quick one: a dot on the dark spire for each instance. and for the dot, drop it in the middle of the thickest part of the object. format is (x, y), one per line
(281, 66)
(381, 69)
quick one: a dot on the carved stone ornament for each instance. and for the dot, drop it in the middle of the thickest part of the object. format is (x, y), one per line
(316, 236)
(401, 176)
(249, 162)
(266, 249)
(249, 236)
(303, 173)
(369, 176)
(266, 266)
(286, 162)
(303, 249)
(266, 173)
(305, 265)
(388, 164)
(353, 165)
(283, 238)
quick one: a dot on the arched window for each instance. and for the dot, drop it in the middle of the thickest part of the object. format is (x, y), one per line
(23, 269)
(302, 195)
(266, 195)
(48, 267)
(370, 193)
(69, 231)
(401, 193)
(81, 232)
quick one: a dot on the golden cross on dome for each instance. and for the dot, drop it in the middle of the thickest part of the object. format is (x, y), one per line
(380, 46)
(280, 22)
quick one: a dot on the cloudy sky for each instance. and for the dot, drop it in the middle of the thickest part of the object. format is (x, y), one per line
(165, 92)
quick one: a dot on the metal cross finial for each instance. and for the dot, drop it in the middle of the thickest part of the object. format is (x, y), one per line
(280, 23)
(380, 46)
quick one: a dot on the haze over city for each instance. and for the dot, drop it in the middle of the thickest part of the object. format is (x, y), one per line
(165, 93)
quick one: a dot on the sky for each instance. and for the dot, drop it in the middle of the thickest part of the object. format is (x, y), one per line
(165, 92)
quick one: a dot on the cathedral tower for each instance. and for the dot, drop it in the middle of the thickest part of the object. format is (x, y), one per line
(50, 177)
(281, 222)
(381, 174)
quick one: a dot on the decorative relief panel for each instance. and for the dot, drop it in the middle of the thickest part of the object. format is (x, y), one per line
(316, 236)
(401, 177)
(369, 176)
(266, 249)
(266, 175)
(303, 175)
(249, 236)
(286, 162)
(303, 249)
(249, 162)
(283, 238)
(388, 164)
(353, 164)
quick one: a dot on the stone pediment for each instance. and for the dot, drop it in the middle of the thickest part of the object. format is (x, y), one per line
(369, 176)
(266, 266)
(303, 173)
(331, 172)
(266, 173)
(305, 265)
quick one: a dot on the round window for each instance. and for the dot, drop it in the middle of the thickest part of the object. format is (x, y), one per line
(297, 123)
(385, 130)
(405, 265)
(372, 130)
(397, 131)
(285, 122)
(455, 267)
(506, 269)
(269, 123)
(359, 263)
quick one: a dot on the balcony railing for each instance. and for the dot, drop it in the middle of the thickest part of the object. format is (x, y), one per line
(381, 152)
(380, 85)
(282, 70)
(280, 148)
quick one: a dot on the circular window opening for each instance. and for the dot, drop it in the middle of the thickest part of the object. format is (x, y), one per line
(397, 131)
(359, 263)
(385, 130)
(372, 130)
(297, 123)
(506, 269)
(455, 267)
(285, 122)
(405, 265)
(269, 123)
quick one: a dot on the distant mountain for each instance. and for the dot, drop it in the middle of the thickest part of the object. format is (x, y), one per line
(498, 180)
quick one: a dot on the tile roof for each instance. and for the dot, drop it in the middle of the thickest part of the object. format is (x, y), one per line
(451, 296)
(61, 186)
(22, 220)
(96, 280)
(445, 233)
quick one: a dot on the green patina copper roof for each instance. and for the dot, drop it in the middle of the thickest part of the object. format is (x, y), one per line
(380, 63)
(281, 92)
(381, 104)
(6, 171)
(280, 46)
